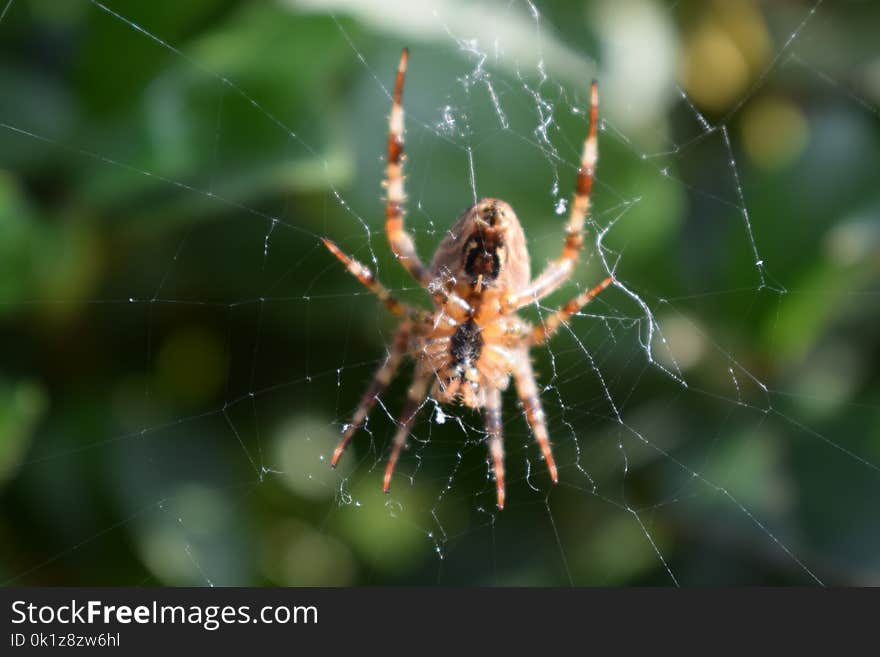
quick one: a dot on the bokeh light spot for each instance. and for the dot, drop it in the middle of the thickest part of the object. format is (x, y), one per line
(775, 132)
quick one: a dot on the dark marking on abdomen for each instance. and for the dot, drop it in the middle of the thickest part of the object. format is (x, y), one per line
(481, 258)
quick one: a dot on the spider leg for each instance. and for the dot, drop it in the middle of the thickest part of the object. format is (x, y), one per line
(377, 386)
(551, 324)
(527, 389)
(558, 271)
(415, 396)
(401, 242)
(368, 280)
(492, 414)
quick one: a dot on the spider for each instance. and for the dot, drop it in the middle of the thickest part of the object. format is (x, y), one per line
(473, 341)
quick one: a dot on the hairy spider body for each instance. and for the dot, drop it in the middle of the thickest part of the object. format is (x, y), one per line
(473, 346)
(473, 342)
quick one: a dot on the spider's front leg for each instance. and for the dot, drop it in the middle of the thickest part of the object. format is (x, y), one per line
(415, 398)
(492, 413)
(558, 271)
(386, 371)
(527, 389)
(381, 379)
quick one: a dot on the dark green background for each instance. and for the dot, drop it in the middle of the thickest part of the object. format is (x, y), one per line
(179, 353)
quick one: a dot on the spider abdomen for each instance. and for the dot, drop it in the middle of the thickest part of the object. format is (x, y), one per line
(485, 247)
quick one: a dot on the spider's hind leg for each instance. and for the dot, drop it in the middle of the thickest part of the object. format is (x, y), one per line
(551, 324)
(560, 269)
(400, 240)
(367, 279)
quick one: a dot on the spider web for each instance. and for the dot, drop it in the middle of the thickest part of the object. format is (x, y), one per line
(700, 437)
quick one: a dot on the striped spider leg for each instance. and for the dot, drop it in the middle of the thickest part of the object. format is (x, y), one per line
(473, 342)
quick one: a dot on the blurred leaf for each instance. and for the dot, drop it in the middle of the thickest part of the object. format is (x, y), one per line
(22, 405)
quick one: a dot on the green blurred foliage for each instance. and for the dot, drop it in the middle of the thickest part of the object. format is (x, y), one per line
(180, 354)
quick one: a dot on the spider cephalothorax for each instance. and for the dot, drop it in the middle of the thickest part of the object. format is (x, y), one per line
(472, 343)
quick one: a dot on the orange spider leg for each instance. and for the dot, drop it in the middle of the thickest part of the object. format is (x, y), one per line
(401, 242)
(558, 271)
(415, 396)
(367, 279)
(527, 389)
(496, 445)
(380, 382)
(551, 324)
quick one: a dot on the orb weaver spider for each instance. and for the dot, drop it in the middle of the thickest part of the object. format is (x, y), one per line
(473, 341)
